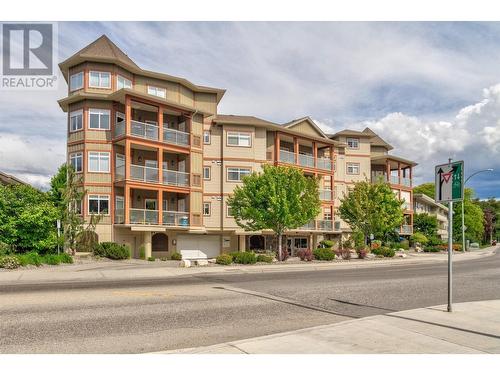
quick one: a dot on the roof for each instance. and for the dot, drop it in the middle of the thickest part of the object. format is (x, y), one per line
(104, 50)
(429, 200)
(350, 132)
(7, 179)
(393, 158)
(376, 140)
(307, 119)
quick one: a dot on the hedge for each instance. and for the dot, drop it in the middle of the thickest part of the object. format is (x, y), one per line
(323, 254)
(112, 250)
(224, 259)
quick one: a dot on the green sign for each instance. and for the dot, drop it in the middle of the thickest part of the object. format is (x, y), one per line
(450, 182)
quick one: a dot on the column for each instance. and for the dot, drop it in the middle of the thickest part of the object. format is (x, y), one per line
(411, 177)
(315, 154)
(242, 243)
(160, 164)
(128, 158)
(128, 114)
(399, 173)
(147, 245)
(276, 147)
(160, 124)
(159, 197)
(296, 149)
(127, 203)
(331, 157)
(388, 171)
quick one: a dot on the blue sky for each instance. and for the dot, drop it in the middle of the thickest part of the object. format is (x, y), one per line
(430, 89)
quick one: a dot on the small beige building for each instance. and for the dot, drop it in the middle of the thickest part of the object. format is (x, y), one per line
(426, 205)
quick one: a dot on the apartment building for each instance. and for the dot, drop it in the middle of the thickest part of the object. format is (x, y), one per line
(158, 161)
(426, 205)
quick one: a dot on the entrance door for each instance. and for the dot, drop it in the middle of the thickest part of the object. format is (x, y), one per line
(294, 244)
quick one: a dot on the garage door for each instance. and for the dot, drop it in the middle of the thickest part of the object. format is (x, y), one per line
(198, 246)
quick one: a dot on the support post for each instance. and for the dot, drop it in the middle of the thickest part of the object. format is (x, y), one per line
(450, 252)
(296, 150)
(463, 226)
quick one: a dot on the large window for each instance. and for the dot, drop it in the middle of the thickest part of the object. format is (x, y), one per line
(76, 161)
(206, 208)
(100, 80)
(206, 137)
(239, 139)
(229, 211)
(123, 83)
(76, 81)
(99, 119)
(157, 91)
(76, 121)
(352, 142)
(99, 204)
(206, 173)
(352, 168)
(99, 162)
(237, 174)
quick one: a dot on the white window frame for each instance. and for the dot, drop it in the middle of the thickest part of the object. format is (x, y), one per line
(99, 79)
(350, 141)
(237, 170)
(72, 115)
(228, 208)
(99, 198)
(209, 205)
(100, 112)
(71, 85)
(76, 155)
(207, 137)
(209, 173)
(100, 156)
(239, 136)
(351, 165)
(155, 90)
(127, 83)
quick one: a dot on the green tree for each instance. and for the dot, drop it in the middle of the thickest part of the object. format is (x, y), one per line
(428, 189)
(491, 209)
(57, 186)
(279, 198)
(473, 219)
(27, 219)
(372, 209)
(72, 196)
(425, 224)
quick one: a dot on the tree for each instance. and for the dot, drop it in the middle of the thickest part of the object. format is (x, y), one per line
(279, 198)
(473, 219)
(489, 224)
(57, 186)
(428, 189)
(72, 196)
(425, 224)
(372, 209)
(492, 229)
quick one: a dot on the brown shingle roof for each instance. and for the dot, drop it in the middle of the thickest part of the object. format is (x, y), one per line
(242, 120)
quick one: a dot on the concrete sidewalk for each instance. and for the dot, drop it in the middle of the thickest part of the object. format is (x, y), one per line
(136, 269)
(473, 327)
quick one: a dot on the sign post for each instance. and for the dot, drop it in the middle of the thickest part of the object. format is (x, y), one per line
(58, 234)
(450, 188)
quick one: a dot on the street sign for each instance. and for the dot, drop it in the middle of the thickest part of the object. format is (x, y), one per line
(450, 182)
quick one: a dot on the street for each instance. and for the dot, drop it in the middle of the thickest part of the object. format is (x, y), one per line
(205, 309)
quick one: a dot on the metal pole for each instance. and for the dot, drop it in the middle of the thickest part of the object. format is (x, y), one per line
(463, 225)
(450, 252)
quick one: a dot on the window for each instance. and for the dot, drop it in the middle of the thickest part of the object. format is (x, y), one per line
(99, 119)
(100, 80)
(157, 91)
(239, 139)
(353, 142)
(327, 213)
(76, 206)
(206, 173)
(76, 121)
(76, 81)
(237, 174)
(229, 211)
(206, 137)
(99, 162)
(76, 161)
(206, 208)
(352, 168)
(99, 204)
(123, 83)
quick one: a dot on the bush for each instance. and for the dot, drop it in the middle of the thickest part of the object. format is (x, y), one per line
(307, 254)
(347, 244)
(265, 258)
(30, 258)
(176, 256)
(419, 238)
(434, 241)
(142, 252)
(245, 257)
(284, 254)
(324, 254)
(345, 254)
(112, 250)
(9, 262)
(163, 259)
(405, 244)
(358, 238)
(224, 259)
(326, 244)
(376, 244)
(384, 251)
(362, 252)
(151, 259)
(431, 249)
(5, 249)
(51, 259)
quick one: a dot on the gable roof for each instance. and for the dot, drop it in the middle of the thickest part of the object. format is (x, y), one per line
(7, 179)
(104, 50)
(356, 133)
(307, 119)
(376, 140)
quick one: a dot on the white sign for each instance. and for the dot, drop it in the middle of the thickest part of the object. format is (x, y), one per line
(449, 182)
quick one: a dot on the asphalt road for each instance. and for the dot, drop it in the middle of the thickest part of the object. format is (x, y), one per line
(154, 315)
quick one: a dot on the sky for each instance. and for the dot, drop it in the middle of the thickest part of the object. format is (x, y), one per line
(432, 90)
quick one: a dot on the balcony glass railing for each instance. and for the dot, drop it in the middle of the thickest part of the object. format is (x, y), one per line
(142, 216)
(144, 130)
(119, 216)
(405, 181)
(144, 174)
(324, 163)
(120, 128)
(406, 229)
(394, 180)
(306, 160)
(309, 226)
(325, 195)
(120, 173)
(176, 218)
(326, 225)
(287, 157)
(175, 178)
(175, 137)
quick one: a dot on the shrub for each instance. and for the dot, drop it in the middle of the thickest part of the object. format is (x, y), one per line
(347, 244)
(163, 259)
(376, 244)
(384, 251)
(65, 258)
(151, 259)
(431, 249)
(5, 249)
(30, 258)
(434, 241)
(307, 254)
(326, 244)
(112, 250)
(419, 238)
(345, 254)
(324, 254)
(245, 257)
(358, 238)
(9, 262)
(284, 254)
(405, 244)
(51, 259)
(142, 252)
(224, 259)
(176, 256)
(362, 252)
(265, 258)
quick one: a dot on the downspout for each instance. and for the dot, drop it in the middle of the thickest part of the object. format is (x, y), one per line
(222, 188)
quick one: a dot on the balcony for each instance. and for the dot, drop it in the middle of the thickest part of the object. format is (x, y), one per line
(406, 229)
(144, 130)
(151, 217)
(309, 226)
(144, 217)
(394, 180)
(306, 160)
(320, 225)
(175, 137)
(119, 128)
(175, 178)
(144, 174)
(405, 181)
(176, 218)
(325, 195)
(287, 157)
(324, 163)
